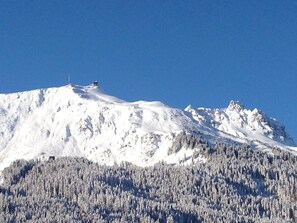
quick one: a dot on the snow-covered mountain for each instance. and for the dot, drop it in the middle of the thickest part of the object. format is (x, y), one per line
(84, 121)
(252, 127)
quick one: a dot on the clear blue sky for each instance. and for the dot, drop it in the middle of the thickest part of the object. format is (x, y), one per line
(203, 53)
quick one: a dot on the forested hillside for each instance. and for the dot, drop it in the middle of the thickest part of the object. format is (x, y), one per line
(236, 184)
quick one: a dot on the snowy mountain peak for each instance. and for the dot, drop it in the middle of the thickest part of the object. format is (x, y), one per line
(252, 126)
(84, 121)
(236, 105)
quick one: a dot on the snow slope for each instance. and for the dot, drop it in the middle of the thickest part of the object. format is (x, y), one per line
(84, 121)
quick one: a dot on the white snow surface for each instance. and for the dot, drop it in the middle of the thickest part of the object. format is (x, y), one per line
(84, 121)
(252, 127)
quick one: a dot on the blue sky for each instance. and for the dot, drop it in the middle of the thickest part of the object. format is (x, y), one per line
(203, 53)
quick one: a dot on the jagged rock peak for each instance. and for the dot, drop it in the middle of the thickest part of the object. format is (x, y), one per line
(188, 108)
(235, 105)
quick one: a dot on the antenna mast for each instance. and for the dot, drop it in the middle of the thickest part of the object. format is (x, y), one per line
(69, 78)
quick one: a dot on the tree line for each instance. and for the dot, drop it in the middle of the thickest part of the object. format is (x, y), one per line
(235, 184)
